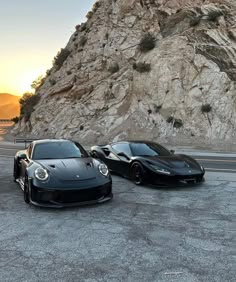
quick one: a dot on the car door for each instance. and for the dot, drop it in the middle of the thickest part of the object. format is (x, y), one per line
(118, 162)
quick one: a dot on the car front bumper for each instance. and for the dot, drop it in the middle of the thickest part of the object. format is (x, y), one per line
(60, 198)
(176, 180)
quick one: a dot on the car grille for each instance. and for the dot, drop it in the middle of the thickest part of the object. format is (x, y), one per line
(73, 196)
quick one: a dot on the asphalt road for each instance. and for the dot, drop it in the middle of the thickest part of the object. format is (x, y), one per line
(175, 235)
(211, 162)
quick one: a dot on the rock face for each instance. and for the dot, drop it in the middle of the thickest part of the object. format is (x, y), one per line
(109, 88)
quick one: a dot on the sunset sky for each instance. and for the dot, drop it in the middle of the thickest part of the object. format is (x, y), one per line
(32, 32)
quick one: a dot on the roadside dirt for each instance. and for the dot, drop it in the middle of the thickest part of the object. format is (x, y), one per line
(5, 134)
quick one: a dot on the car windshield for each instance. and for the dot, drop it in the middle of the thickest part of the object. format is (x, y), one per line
(58, 150)
(149, 150)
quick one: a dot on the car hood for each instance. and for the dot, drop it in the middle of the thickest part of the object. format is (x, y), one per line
(173, 161)
(70, 169)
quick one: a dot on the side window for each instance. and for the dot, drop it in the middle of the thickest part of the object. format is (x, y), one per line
(122, 147)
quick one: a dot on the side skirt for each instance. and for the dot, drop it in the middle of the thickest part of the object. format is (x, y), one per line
(20, 181)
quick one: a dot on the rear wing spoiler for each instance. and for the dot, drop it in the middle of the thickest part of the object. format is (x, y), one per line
(24, 140)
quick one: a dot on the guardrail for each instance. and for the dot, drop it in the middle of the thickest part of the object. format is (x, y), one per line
(24, 140)
(5, 120)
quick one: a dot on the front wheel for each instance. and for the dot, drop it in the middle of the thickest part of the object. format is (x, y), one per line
(26, 190)
(137, 174)
(15, 172)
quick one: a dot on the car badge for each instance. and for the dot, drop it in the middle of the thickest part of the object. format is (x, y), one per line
(189, 171)
(77, 176)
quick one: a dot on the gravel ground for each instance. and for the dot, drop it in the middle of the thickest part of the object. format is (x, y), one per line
(144, 234)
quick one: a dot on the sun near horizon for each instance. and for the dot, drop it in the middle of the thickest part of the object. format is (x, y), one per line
(32, 32)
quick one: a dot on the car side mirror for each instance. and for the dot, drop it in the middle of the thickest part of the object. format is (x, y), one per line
(121, 154)
(172, 152)
(22, 156)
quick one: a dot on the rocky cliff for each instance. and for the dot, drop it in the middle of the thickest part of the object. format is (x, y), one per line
(153, 69)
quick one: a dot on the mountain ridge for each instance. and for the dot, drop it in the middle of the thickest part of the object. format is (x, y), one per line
(9, 106)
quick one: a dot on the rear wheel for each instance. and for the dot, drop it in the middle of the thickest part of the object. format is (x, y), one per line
(26, 190)
(137, 174)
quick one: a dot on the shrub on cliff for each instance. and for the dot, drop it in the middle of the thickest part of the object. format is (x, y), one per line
(114, 67)
(214, 15)
(142, 67)
(61, 57)
(83, 40)
(15, 120)
(206, 108)
(38, 82)
(27, 104)
(147, 43)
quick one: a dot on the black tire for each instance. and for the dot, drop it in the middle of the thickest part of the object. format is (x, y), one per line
(26, 190)
(137, 173)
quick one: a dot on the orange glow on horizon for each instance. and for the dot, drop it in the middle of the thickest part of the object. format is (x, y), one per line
(17, 75)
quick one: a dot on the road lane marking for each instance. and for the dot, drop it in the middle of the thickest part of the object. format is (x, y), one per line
(220, 169)
(8, 149)
(6, 156)
(214, 160)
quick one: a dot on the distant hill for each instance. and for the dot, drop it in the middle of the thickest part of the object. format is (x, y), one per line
(9, 106)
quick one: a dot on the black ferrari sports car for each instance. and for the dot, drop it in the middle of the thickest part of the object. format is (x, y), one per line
(60, 173)
(149, 162)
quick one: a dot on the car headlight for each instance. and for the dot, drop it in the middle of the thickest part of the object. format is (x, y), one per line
(202, 168)
(103, 169)
(160, 169)
(41, 174)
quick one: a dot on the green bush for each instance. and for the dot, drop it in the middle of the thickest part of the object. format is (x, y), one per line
(61, 57)
(83, 27)
(96, 6)
(38, 82)
(157, 108)
(147, 43)
(194, 21)
(83, 40)
(89, 15)
(206, 108)
(27, 104)
(214, 15)
(52, 81)
(177, 123)
(15, 119)
(142, 67)
(114, 68)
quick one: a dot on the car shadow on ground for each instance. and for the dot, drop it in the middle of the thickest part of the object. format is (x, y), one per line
(183, 187)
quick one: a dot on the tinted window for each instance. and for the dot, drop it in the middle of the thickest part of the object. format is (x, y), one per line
(122, 147)
(149, 149)
(58, 150)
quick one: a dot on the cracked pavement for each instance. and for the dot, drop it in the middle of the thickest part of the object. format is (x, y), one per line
(185, 234)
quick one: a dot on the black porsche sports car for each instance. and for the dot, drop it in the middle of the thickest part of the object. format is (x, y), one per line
(59, 173)
(149, 162)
